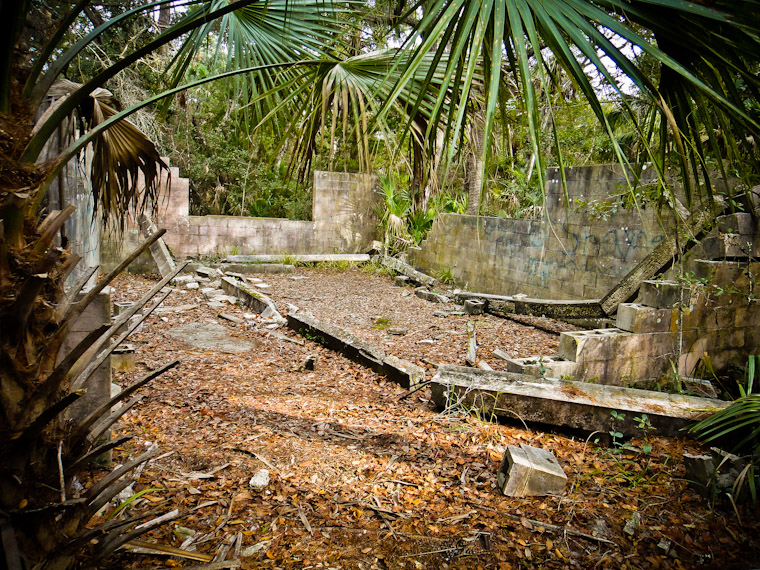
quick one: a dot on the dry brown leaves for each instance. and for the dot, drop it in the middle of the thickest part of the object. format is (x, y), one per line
(359, 480)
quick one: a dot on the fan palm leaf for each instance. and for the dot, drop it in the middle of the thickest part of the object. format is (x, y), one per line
(344, 96)
(715, 46)
(263, 33)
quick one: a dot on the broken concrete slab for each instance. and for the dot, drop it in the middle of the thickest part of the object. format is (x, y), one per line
(699, 387)
(551, 366)
(522, 305)
(301, 258)
(158, 249)
(406, 374)
(527, 471)
(252, 298)
(208, 272)
(430, 296)
(501, 354)
(401, 281)
(405, 269)
(231, 318)
(210, 336)
(416, 374)
(566, 403)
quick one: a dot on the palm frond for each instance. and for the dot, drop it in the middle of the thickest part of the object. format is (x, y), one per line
(125, 165)
(260, 34)
(717, 46)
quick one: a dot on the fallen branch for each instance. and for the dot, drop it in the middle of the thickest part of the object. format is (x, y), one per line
(559, 529)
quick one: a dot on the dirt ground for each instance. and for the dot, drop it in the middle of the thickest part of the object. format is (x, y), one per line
(359, 478)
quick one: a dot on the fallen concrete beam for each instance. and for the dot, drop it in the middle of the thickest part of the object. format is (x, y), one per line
(252, 298)
(158, 249)
(302, 258)
(661, 257)
(519, 305)
(405, 269)
(430, 296)
(404, 373)
(570, 404)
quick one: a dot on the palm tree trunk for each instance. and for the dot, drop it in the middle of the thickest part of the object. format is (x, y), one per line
(474, 167)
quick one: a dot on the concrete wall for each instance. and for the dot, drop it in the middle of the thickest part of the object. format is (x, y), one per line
(344, 221)
(573, 252)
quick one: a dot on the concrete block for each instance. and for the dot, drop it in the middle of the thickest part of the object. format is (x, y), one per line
(98, 386)
(737, 223)
(637, 318)
(474, 307)
(401, 281)
(430, 296)
(663, 294)
(527, 471)
(123, 358)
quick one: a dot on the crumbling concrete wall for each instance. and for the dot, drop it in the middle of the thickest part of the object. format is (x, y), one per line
(580, 249)
(344, 221)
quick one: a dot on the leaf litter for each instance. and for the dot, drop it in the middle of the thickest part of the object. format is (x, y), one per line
(359, 478)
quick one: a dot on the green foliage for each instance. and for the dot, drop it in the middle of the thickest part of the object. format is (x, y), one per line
(445, 276)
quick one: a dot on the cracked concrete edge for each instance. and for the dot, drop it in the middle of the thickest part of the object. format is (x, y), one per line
(402, 372)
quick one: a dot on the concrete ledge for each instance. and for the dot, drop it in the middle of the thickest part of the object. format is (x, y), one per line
(560, 309)
(565, 403)
(251, 298)
(404, 373)
(302, 258)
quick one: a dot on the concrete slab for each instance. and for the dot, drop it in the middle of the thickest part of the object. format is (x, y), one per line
(405, 269)
(158, 249)
(210, 336)
(565, 403)
(430, 296)
(249, 268)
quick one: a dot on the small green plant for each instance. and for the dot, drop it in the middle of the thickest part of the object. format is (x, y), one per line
(380, 323)
(445, 276)
(615, 435)
(643, 423)
(288, 259)
(234, 250)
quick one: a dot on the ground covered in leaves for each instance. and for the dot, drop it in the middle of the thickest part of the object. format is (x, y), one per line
(360, 477)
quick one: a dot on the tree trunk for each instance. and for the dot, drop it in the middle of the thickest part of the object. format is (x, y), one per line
(474, 167)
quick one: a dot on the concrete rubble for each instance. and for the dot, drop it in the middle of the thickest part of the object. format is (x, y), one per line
(407, 270)
(527, 471)
(252, 298)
